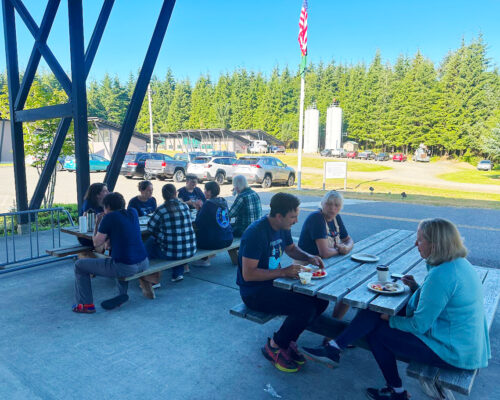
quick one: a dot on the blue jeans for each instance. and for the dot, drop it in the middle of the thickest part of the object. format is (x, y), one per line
(387, 343)
(154, 251)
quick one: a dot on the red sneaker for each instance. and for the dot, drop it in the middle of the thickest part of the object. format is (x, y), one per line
(279, 358)
(84, 308)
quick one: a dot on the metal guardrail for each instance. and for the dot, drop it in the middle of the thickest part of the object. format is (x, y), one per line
(21, 230)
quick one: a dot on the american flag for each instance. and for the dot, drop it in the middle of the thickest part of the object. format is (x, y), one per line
(303, 29)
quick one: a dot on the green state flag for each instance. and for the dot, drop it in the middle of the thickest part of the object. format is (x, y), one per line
(303, 63)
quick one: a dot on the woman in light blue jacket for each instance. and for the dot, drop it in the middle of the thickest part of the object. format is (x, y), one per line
(443, 324)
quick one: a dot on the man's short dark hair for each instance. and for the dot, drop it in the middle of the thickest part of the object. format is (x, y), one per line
(283, 203)
(114, 201)
(213, 188)
(191, 177)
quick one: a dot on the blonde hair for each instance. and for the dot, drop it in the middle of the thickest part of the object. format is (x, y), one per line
(444, 238)
(332, 196)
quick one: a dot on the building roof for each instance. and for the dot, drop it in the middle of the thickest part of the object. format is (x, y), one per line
(219, 133)
(108, 124)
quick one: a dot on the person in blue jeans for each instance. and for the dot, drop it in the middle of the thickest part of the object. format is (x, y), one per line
(172, 237)
(441, 318)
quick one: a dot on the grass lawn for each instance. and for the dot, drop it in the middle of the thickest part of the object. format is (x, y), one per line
(316, 162)
(385, 191)
(473, 176)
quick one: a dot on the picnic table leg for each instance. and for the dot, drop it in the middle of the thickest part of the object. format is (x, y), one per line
(233, 253)
(435, 391)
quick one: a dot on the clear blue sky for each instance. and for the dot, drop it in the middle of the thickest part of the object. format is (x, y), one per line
(220, 35)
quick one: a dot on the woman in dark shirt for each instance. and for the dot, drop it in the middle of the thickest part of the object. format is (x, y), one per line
(190, 194)
(93, 202)
(145, 203)
(324, 234)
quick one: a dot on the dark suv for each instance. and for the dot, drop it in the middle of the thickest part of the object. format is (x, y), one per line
(133, 164)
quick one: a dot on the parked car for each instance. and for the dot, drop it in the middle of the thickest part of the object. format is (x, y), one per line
(352, 154)
(382, 157)
(341, 153)
(258, 146)
(134, 163)
(188, 157)
(222, 153)
(277, 149)
(265, 170)
(175, 168)
(367, 155)
(399, 157)
(485, 165)
(96, 163)
(217, 169)
(326, 153)
(32, 160)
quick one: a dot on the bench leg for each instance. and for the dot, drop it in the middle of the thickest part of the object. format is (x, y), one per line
(435, 391)
(233, 253)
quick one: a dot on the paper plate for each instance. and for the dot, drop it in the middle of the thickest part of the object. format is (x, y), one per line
(365, 257)
(320, 277)
(144, 220)
(378, 287)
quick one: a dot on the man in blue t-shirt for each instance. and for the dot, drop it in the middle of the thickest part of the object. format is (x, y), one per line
(259, 263)
(120, 230)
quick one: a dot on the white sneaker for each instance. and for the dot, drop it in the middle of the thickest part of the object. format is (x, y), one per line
(179, 278)
(156, 285)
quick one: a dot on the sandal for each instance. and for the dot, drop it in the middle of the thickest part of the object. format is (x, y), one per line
(83, 308)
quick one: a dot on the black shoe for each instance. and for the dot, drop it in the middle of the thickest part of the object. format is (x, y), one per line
(114, 302)
(386, 393)
(326, 354)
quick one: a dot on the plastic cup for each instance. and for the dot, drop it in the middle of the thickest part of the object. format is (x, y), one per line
(382, 273)
(305, 277)
(82, 224)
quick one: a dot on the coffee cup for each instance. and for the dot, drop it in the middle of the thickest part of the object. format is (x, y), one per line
(382, 273)
(82, 224)
(305, 277)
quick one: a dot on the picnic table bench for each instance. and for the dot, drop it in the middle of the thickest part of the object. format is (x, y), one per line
(347, 281)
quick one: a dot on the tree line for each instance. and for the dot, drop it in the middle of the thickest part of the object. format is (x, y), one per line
(454, 108)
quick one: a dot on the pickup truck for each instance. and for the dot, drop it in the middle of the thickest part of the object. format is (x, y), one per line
(163, 169)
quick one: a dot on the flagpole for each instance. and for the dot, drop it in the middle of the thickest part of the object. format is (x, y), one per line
(301, 126)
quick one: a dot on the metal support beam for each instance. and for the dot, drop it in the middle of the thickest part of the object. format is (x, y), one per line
(139, 92)
(48, 112)
(9, 24)
(34, 60)
(79, 97)
(97, 34)
(42, 47)
(62, 129)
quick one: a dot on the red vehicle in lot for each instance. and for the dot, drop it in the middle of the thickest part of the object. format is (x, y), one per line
(399, 157)
(352, 154)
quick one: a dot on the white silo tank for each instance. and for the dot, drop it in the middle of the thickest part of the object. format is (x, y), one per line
(333, 136)
(311, 130)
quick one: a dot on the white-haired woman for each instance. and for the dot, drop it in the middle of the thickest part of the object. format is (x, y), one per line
(443, 324)
(324, 234)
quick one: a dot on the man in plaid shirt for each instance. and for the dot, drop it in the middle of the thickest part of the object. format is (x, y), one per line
(246, 207)
(172, 236)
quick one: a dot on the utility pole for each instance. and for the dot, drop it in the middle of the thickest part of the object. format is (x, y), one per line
(150, 119)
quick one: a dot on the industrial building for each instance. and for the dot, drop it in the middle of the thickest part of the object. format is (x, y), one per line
(311, 130)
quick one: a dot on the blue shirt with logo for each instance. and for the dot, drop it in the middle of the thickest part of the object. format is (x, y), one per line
(213, 229)
(261, 242)
(315, 228)
(143, 207)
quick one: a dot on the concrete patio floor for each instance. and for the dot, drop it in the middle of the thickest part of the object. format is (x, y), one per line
(183, 345)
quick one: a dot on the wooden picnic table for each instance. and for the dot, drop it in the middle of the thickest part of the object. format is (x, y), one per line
(347, 279)
(75, 231)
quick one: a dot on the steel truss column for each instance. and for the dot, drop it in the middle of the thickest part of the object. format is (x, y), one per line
(139, 92)
(62, 129)
(79, 97)
(9, 24)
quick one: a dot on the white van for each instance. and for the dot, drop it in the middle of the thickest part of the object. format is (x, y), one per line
(258, 146)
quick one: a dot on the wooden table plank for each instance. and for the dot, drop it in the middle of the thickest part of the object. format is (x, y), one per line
(74, 230)
(288, 283)
(388, 251)
(347, 265)
(362, 296)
